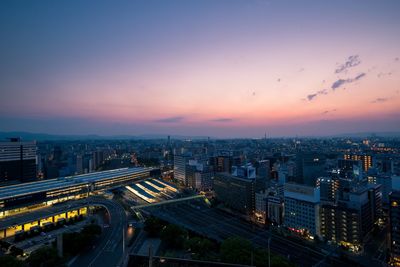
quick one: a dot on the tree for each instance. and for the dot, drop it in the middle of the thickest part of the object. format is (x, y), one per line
(153, 226)
(10, 261)
(200, 246)
(45, 257)
(173, 236)
(240, 251)
(75, 243)
(236, 250)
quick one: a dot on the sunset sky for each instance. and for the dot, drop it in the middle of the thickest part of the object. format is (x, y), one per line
(233, 68)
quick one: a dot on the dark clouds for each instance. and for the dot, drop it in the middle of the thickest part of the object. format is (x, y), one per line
(328, 111)
(310, 97)
(341, 82)
(170, 119)
(351, 61)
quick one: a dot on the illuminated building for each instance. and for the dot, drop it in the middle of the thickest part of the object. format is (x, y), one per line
(261, 206)
(309, 167)
(302, 204)
(17, 161)
(27, 196)
(275, 209)
(238, 193)
(394, 227)
(221, 163)
(180, 164)
(328, 188)
(351, 217)
(366, 160)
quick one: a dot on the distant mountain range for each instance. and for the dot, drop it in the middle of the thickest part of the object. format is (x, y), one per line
(369, 134)
(54, 137)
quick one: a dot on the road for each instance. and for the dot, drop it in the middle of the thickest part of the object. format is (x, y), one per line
(108, 252)
(219, 226)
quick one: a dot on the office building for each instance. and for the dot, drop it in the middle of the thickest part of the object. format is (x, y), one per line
(180, 163)
(275, 209)
(264, 169)
(394, 228)
(79, 164)
(237, 193)
(328, 189)
(365, 159)
(309, 166)
(221, 163)
(18, 161)
(261, 206)
(351, 218)
(302, 204)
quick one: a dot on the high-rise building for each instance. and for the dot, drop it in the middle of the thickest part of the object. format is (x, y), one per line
(79, 164)
(261, 206)
(328, 189)
(394, 227)
(264, 169)
(237, 192)
(302, 204)
(221, 163)
(18, 161)
(275, 209)
(365, 159)
(98, 158)
(351, 217)
(386, 185)
(180, 163)
(309, 167)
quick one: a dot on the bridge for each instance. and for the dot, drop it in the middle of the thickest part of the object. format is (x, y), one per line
(167, 202)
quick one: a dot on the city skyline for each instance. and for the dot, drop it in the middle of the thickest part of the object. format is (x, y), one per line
(200, 68)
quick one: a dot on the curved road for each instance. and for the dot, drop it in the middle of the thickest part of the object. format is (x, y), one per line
(108, 252)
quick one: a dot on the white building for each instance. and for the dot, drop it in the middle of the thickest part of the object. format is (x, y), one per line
(301, 209)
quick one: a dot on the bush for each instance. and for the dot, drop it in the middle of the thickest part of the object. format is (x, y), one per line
(75, 243)
(173, 236)
(10, 261)
(201, 247)
(45, 257)
(153, 226)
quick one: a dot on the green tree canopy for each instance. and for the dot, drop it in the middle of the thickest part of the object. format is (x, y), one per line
(173, 236)
(153, 226)
(199, 246)
(45, 257)
(10, 261)
(236, 250)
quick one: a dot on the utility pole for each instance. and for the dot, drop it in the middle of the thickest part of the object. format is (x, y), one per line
(123, 241)
(269, 251)
(150, 256)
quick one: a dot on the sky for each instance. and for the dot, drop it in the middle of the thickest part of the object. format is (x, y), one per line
(219, 68)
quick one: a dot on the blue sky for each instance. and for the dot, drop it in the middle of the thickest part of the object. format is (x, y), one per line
(220, 68)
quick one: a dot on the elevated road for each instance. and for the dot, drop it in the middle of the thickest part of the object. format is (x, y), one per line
(109, 251)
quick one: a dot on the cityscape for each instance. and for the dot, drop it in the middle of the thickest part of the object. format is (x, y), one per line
(199, 133)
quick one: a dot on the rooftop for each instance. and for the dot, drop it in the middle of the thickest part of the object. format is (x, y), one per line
(62, 182)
